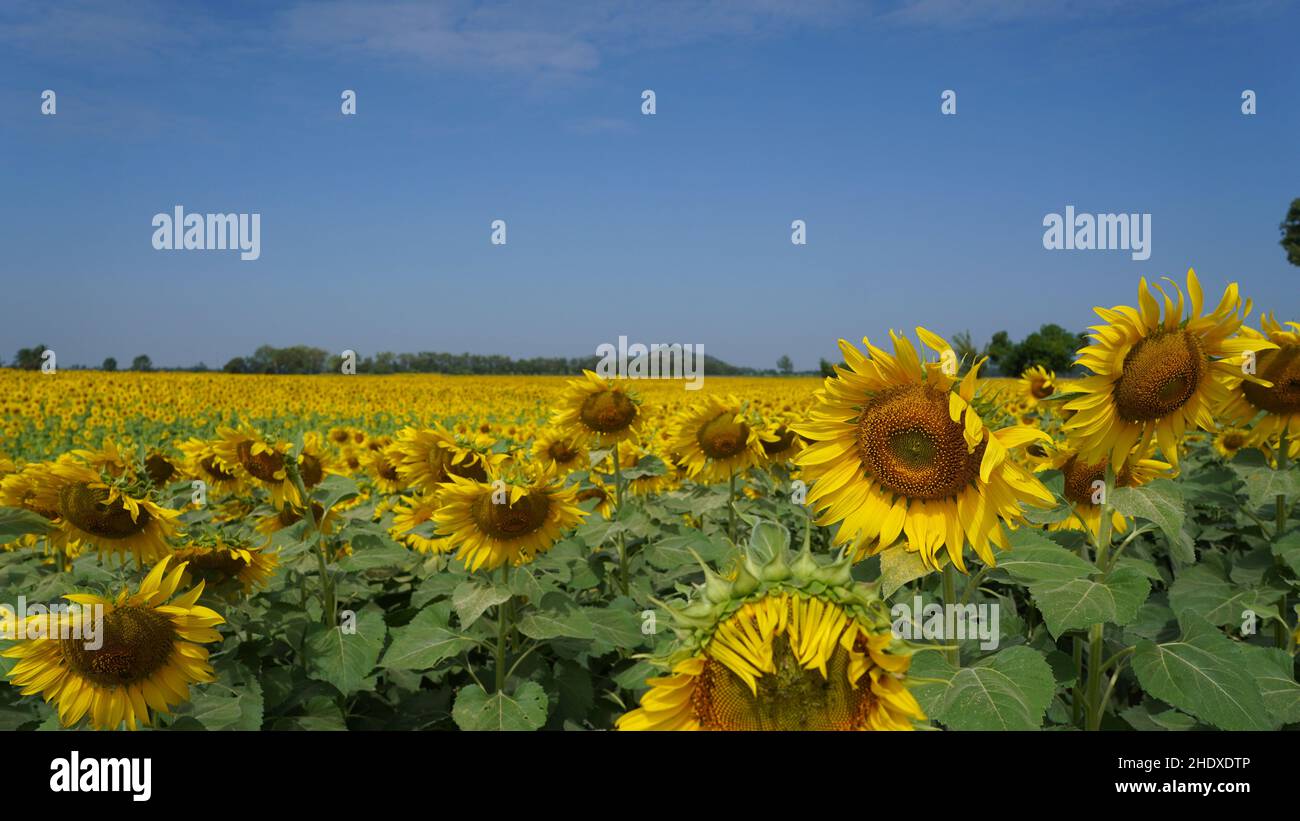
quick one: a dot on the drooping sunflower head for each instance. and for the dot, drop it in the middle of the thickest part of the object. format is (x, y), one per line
(113, 516)
(598, 411)
(782, 645)
(900, 450)
(149, 653)
(1156, 375)
(226, 563)
(1274, 398)
(509, 519)
(1036, 384)
(161, 467)
(716, 438)
(261, 459)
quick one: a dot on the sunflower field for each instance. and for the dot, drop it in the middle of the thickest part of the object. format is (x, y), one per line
(904, 545)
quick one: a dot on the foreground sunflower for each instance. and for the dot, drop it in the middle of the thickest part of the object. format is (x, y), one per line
(600, 412)
(1279, 402)
(714, 440)
(260, 458)
(220, 561)
(785, 645)
(149, 657)
(491, 524)
(899, 450)
(1156, 377)
(1080, 481)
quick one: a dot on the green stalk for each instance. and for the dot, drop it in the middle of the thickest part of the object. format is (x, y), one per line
(503, 630)
(329, 605)
(950, 597)
(1097, 632)
(1282, 635)
(731, 507)
(618, 513)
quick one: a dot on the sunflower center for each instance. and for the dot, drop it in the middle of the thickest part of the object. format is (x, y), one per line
(592, 493)
(722, 437)
(791, 698)
(562, 453)
(288, 515)
(1079, 476)
(1041, 388)
(312, 472)
(784, 439)
(88, 509)
(514, 519)
(1160, 374)
(1282, 368)
(264, 465)
(136, 643)
(1233, 440)
(215, 566)
(158, 469)
(386, 470)
(473, 469)
(608, 411)
(909, 443)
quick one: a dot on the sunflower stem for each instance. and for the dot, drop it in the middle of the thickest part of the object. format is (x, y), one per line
(503, 629)
(329, 605)
(950, 597)
(618, 514)
(1282, 635)
(1095, 703)
(731, 507)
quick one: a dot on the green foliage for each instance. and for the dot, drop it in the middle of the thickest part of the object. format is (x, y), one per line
(1290, 229)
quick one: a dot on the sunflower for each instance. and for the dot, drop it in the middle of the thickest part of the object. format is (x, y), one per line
(413, 525)
(107, 458)
(315, 462)
(595, 488)
(779, 442)
(1156, 377)
(900, 450)
(600, 412)
(560, 452)
(382, 467)
(1036, 384)
(203, 464)
(1080, 481)
(1279, 402)
(491, 524)
(259, 458)
(425, 458)
(115, 517)
(161, 468)
(782, 646)
(1228, 441)
(29, 489)
(290, 515)
(716, 439)
(218, 560)
(149, 656)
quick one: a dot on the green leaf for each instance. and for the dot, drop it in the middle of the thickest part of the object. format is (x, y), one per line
(334, 490)
(1287, 549)
(1077, 603)
(370, 552)
(219, 706)
(767, 539)
(1161, 503)
(345, 659)
(1205, 674)
(674, 552)
(525, 709)
(556, 617)
(1264, 484)
(1035, 558)
(1273, 669)
(899, 566)
(614, 628)
(473, 596)
(16, 522)
(424, 642)
(1202, 590)
(1009, 690)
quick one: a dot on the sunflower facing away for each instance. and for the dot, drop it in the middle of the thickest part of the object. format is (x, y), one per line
(493, 523)
(1156, 377)
(785, 645)
(1279, 402)
(149, 656)
(600, 412)
(900, 450)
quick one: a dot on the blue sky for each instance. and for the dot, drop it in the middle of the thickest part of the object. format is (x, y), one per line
(666, 228)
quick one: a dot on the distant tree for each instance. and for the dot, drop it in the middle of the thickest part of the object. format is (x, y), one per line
(29, 359)
(827, 367)
(110, 364)
(1290, 228)
(999, 350)
(1051, 346)
(142, 363)
(784, 365)
(236, 365)
(964, 348)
